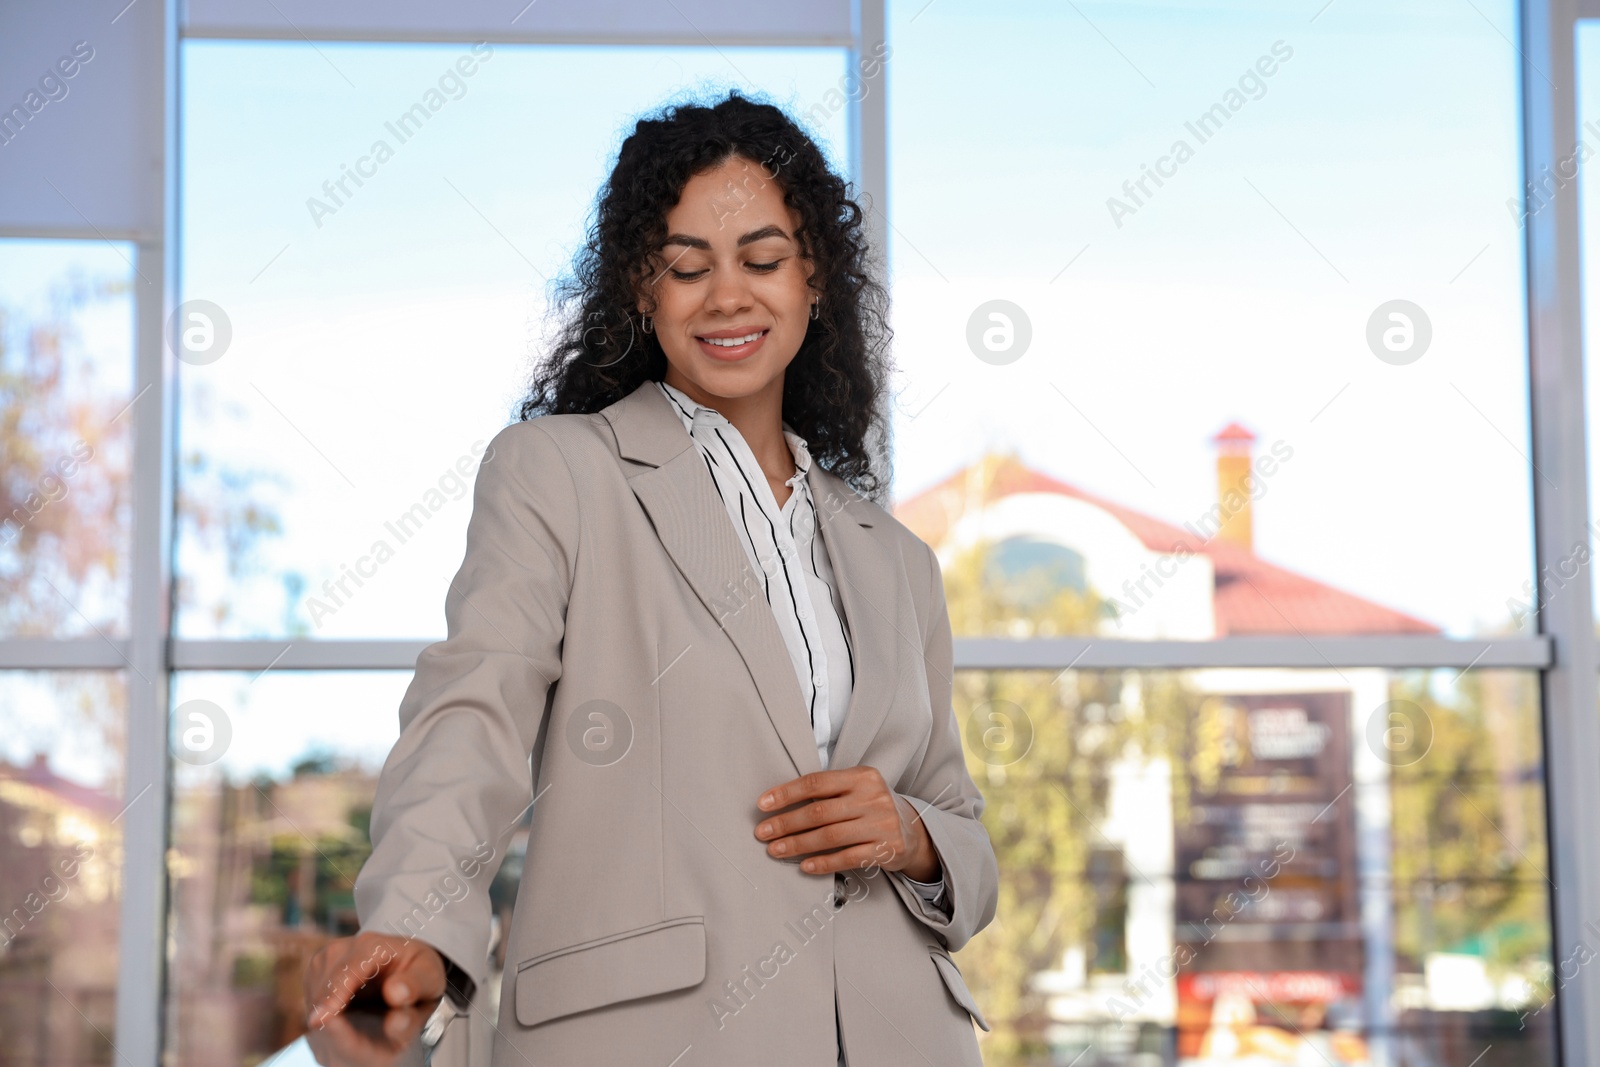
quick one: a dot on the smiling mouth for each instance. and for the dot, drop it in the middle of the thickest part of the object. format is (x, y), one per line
(732, 342)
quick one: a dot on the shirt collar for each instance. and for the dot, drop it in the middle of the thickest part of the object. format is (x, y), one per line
(694, 414)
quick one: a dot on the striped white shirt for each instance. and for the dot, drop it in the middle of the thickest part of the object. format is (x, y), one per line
(788, 555)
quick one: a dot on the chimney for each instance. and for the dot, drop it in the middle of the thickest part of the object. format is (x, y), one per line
(1235, 446)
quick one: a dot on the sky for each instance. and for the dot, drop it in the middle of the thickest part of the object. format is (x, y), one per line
(1373, 164)
(377, 345)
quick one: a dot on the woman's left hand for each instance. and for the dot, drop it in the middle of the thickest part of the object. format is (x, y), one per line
(854, 819)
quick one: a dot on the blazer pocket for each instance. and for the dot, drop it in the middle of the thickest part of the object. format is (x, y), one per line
(956, 984)
(635, 963)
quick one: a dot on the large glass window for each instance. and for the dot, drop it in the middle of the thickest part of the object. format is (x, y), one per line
(334, 416)
(61, 806)
(1190, 318)
(1262, 867)
(1209, 321)
(66, 370)
(272, 793)
(1195, 344)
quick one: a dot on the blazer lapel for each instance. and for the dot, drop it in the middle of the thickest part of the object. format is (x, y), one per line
(681, 499)
(867, 573)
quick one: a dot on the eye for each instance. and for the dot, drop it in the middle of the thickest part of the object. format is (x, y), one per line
(764, 268)
(687, 275)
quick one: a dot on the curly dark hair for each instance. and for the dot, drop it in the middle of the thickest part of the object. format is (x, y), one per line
(833, 387)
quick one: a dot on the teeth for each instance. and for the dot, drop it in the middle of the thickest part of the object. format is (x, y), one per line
(730, 342)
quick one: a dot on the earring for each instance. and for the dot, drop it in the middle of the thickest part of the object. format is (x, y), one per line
(816, 309)
(645, 324)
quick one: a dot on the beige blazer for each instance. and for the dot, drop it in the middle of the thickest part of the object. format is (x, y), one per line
(614, 674)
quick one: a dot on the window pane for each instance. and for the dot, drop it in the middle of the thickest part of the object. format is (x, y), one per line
(66, 375)
(272, 797)
(61, 801)
(367, 336)
(1262, 867)
(1138, 248)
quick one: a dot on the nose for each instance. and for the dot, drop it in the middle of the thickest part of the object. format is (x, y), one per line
(729, 292)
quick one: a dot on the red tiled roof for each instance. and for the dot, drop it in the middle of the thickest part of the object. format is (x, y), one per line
(1252, 596)
(39, 775)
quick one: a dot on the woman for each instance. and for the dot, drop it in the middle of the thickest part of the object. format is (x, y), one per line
(752, 835)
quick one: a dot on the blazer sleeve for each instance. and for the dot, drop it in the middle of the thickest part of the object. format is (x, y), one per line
(458, 779)
(950, 803)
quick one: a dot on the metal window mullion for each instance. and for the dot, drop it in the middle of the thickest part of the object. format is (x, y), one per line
(1309, 653)
(868, 123)
(291, 655)
(695, 23)
(867, 136)
(689, 38)
(971, 653)
(142, 934)
(69, 233)
(63, 653)
(1569, 694)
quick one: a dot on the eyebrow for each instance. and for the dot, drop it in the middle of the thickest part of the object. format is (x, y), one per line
(702, 243)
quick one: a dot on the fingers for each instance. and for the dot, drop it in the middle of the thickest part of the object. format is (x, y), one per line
(810, 787)
(817, 813)
(881, 829)
(866, 797)
(856, 857)
(848, 807)
(338, 1042)
(825, 839)
(417, 975)
(331, 980)
(409, 971)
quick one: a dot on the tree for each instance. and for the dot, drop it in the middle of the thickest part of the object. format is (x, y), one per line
(1041, 746)
(1470, 861)
(65, 496)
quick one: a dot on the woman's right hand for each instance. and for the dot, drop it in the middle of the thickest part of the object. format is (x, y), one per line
(408, 972)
